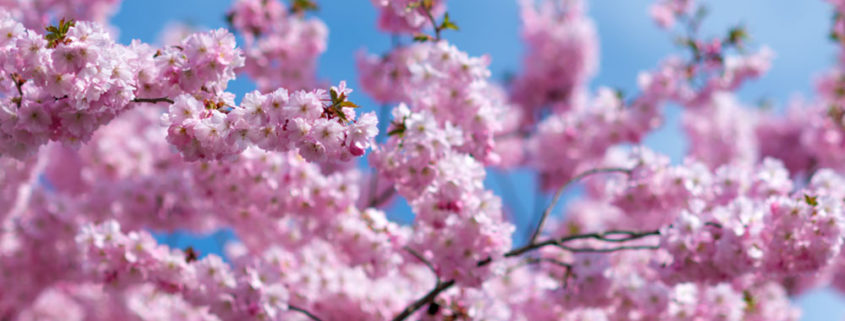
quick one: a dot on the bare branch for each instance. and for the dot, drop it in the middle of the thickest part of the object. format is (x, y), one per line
(423, 301)
(426, 262)
(433, 22)
(607, 250)
(153, 100)
(379, 200)
(559, 193)
(305, 312)
(609, 236)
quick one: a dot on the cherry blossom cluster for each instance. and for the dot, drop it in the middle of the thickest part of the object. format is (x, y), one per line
(76, 302)
(16, 179)
(458, 222)
(722, 133)
(36, 14)
(282, 45)
(779, 236)
(562, 55)
(321, 125)
(120, 260)
(101, 144)
(439, 78)
(60, 89)
(666, 12)
(407, 16)
(64, 86)
(583, 133)
(43, 232)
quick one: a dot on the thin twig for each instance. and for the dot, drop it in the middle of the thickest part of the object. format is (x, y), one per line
(609, 236)
(153, 100)
(607, 250)
(433, 22)
(305, 312)
(383, 197)
(559, 193)
(423, 301)
(630, 236)
(425, 261)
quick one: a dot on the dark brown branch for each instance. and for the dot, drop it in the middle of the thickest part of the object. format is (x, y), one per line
(423, 301)
(153, 100)
(615, 236)
(305, 312)
(606, 236)
(559, 193)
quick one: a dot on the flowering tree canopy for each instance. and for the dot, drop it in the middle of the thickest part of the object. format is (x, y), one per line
(103, 143)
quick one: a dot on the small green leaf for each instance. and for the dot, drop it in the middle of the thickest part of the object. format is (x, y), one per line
(303, 5)
(333, 93)
(348, 104)
(448, 24)
(428, 4)
(398, 130)
(811, 200)
(57, 34)
(737, 35)
(421, 37)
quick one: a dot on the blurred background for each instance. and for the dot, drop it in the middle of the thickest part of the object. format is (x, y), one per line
(630, 42)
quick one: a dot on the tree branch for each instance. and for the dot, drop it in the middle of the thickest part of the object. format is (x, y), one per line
(423, 301)
(426, 262)
(606, 236)
(379, 200)
(153, 100)
(607, 250)
(433, 22)
(303, 311)
(559, 193)
(615, 236)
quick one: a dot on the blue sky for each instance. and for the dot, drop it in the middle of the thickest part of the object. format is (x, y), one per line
(629, 43)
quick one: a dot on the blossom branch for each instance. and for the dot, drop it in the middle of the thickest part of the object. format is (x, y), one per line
(607, 250)
(426, 262)
(606, 236)
(609, 236)
(379, 200)
(430, 16)
(559, 193)
(425, 300)
(153, 100)
(305, 312)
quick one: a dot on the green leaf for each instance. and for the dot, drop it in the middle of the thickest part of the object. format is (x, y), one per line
(57, 34)
(737, 34)
(333, 93)
(399, 130)
(348, 104)
(448, 24)
(811, 200)
(421, 37)
(303, 5)
(428, 4)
